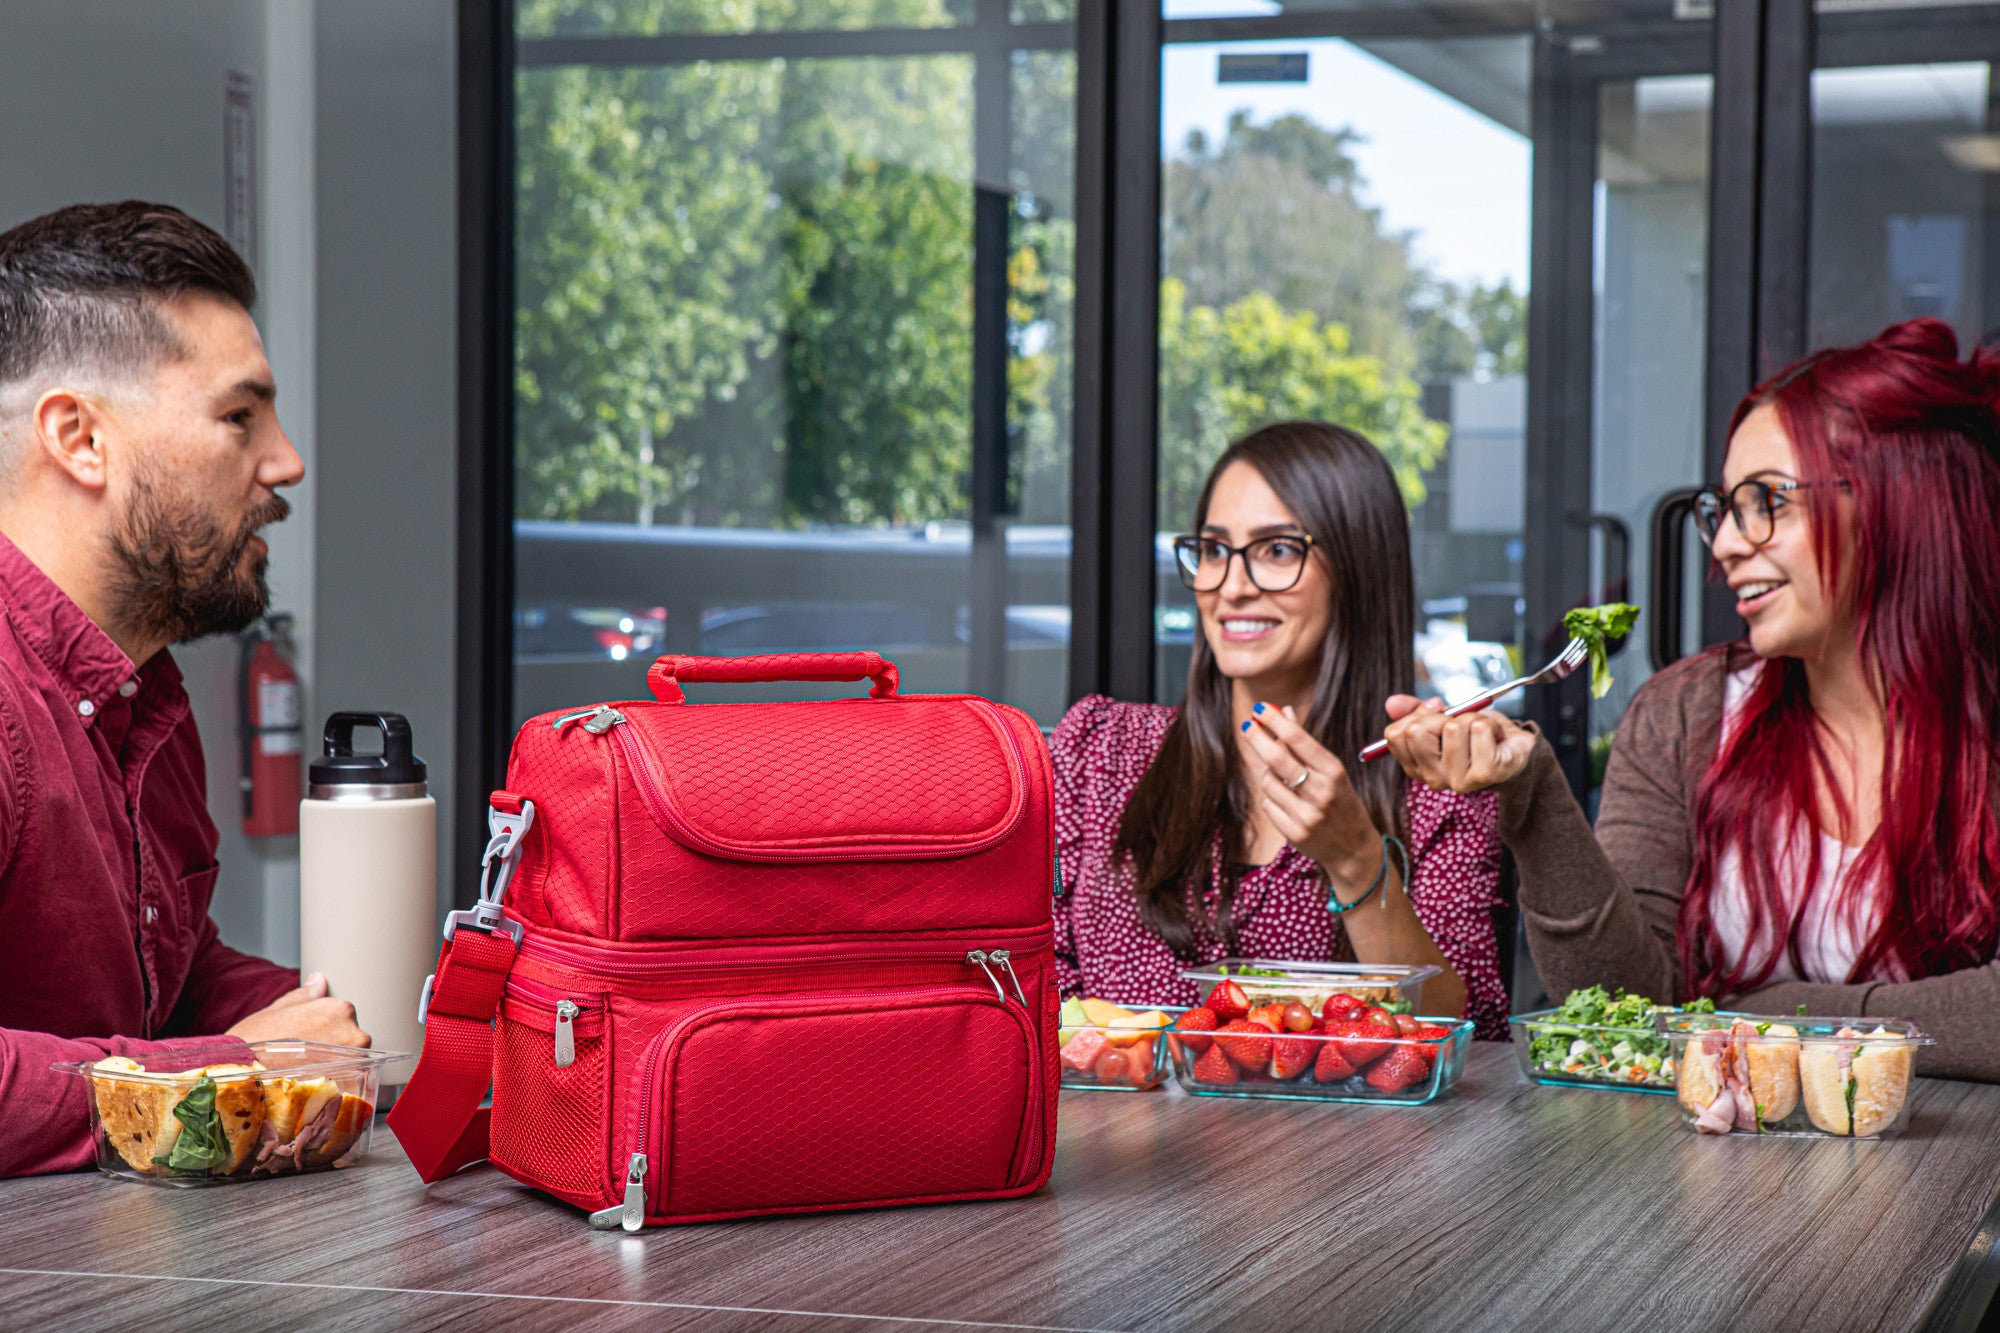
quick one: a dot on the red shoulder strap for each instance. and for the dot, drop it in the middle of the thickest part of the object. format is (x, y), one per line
(438, 1117)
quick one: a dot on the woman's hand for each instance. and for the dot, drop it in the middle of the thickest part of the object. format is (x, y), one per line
(1468, 753)
(1321, 815)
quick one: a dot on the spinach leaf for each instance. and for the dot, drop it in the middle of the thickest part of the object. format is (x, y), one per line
(1595, 624)
(202, 1146)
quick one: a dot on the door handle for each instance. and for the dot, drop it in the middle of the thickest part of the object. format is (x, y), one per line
(1666, 593)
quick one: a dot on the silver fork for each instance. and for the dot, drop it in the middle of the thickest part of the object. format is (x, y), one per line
(1573, 655)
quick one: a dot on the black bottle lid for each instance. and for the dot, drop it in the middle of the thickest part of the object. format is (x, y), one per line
(345, 773)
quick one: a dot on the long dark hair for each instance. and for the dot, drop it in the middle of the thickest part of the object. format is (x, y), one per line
(1344, 495)
(1914, 433)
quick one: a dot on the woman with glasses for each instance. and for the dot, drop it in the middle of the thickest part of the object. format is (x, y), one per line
(1805, 816)
(1236, 823)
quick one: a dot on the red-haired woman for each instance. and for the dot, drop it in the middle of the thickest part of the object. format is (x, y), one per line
(1231, 824)
(1806, 817)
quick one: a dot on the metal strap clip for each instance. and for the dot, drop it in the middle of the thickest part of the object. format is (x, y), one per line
(503, 850)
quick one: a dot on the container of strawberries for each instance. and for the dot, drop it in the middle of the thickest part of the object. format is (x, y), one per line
(1348, 1049)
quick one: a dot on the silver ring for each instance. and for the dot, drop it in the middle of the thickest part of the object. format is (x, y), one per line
(1298, 781)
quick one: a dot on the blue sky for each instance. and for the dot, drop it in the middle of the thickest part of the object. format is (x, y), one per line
(1433, 166)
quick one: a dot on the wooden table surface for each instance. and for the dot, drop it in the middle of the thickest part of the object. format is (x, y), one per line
(1500, 1206)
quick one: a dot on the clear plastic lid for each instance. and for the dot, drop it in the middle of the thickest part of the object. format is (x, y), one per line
(1333, 976)
(280, 1059)
(1807, 1029)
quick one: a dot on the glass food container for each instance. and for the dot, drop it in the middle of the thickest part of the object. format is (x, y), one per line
(1124, 1053)
(245, 1111)
(1397, 987)
(1559, 1052)
(1811, 1077)
(1323, 1066)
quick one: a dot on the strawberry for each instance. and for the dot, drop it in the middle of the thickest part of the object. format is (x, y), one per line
(1252, 1051)
(1214, 1067)
(1339, 1007)
(1431, 1037)
(1292, 1056)
(1227, 1001)
(1331, 1066)
(1081, 1052)
(1402, 1068)
(1360, 1041)
(1298, 1018)
(1195, 1021)
(1271, 1016)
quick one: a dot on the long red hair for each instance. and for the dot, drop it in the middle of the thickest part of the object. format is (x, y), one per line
(1915, 434)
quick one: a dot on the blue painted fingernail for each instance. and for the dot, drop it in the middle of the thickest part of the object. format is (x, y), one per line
(1246, 726)
(1256, 708)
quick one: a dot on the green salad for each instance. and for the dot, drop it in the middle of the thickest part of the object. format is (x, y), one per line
(1594, 625)
(1601, 1036)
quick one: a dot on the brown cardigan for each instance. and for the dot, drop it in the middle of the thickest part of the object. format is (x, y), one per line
(1602, 910)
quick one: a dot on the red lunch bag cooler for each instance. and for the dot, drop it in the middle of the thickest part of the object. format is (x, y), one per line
(737, 959)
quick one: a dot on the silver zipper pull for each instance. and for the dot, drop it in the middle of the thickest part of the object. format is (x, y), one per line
(630, 1214)
(979, 956)
(603, 720)
(566, 1012)
(635, 1193)
(1004, 958)
(577, 716)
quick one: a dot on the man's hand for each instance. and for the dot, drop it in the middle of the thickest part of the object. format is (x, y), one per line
(306, 1014)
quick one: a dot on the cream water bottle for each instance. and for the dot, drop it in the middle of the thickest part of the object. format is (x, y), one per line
(368, 878)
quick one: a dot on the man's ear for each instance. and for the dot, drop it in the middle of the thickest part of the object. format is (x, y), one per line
(69, 430)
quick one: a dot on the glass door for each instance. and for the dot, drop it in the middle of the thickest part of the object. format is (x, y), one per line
(1349, 225)
(1907, 102)
(792, 341)
(1345, 236)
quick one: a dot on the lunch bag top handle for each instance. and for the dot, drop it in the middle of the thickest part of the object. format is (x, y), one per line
(666, 675)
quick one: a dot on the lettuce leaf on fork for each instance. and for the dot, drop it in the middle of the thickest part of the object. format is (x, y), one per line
(1594, 625)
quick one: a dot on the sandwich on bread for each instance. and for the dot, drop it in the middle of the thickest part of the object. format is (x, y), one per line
(1855, 1087)
(223, 1112)
(311, 1123)
(1740, 1079)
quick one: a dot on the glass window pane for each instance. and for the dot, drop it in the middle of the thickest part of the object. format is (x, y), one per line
(585, 18)
(745, 368)
(1652, 310)
(1354, 248)
(1920, 240)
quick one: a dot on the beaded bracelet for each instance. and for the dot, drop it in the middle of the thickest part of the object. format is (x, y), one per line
(1335, 906)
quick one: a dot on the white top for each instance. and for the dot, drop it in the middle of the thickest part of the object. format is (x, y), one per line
(1829, 938)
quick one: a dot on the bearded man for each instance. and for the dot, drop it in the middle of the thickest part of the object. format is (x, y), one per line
(140, 452)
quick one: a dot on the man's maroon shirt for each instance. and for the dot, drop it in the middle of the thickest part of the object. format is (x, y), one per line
(107, 860)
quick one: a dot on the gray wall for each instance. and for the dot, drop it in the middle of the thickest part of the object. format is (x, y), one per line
(121, 99)
(387, 281)
(116, 99)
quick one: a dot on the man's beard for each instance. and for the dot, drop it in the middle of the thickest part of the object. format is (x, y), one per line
(178, 573)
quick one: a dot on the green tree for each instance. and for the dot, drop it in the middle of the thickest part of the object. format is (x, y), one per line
(1225, 372)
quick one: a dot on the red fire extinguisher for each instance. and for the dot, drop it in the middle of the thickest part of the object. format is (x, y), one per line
(268, 714)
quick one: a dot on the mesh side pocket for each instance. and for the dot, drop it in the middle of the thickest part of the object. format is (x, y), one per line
(550, 1125)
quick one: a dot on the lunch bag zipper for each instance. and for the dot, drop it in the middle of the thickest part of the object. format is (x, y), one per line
(728, 959)
(653, 793)
(630, 1213)
(566, 1010)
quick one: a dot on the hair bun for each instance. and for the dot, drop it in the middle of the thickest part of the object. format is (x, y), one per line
(1922, 336)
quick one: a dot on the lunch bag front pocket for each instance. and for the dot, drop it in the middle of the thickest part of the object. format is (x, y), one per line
(840, 1100)
(551, 1091)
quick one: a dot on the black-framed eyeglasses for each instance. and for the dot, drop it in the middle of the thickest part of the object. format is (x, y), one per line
(1274, 564)
(1754, 503)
